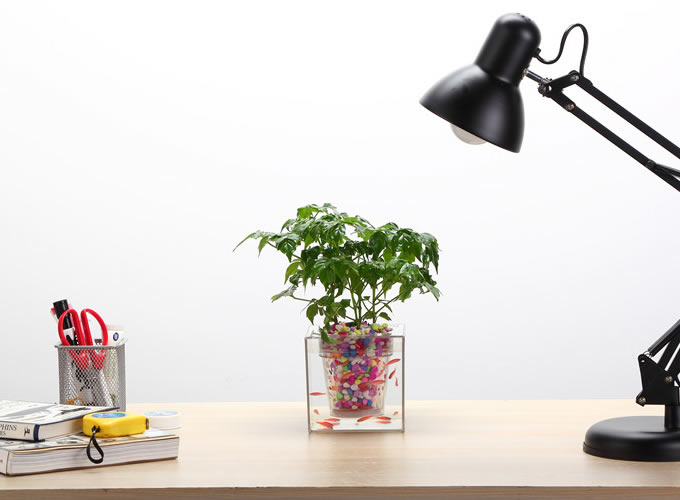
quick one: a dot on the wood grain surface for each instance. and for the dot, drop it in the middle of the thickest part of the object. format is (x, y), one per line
(462, 449)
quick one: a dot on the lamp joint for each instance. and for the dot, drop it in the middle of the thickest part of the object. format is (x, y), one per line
(658, 387)
(565, 81)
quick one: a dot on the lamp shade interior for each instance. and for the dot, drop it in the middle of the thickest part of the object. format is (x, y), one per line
(466, 136)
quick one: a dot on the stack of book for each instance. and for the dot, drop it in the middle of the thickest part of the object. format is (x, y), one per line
(43, 437)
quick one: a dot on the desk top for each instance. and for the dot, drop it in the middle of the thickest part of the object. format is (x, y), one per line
(478, 449)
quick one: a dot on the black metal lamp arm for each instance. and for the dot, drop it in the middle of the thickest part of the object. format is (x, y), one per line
(553, 89)
(660, 384)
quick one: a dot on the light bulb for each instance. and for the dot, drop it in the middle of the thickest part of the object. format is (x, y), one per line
(466, 136)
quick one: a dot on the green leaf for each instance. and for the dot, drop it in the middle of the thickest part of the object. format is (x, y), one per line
(287, 225)
(433, 290)
(340, 268)
(291, 269)
(255, 235)
(309, 255)
(434, 257)
(332, 310)
(366, 235)
(311, 312)
(326, 338)
(263, 243)
(288, 292)
(251, 235)
(428, 240)
(405, 291)
(371, 271)
(415, 248)
(326, 276)
(384, 315)
(335, 232)
(325, 300)
(287, 244)
(410, 272)
(306, 211)
(431, 249)
(378, 241)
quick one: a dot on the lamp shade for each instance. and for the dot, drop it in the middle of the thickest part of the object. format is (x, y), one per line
(483, 99)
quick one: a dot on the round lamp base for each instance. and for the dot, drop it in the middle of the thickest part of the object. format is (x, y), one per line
(633, 438)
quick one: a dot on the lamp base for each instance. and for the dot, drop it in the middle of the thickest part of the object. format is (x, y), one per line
(633, 438)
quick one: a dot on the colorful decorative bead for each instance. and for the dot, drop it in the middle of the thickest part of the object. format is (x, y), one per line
(355, 358)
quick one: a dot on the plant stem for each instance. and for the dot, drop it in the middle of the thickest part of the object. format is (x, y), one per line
(298, 298)
(368, 307)
(374, 313)
(386, 304)
(357, 313)
(359, 317)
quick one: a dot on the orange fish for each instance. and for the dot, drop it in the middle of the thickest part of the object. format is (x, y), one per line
(384, 421)
(396, 382)
(392, 374)
(381, 381)
(316, 411)
(396, 360)
(383, 417)
(332, 419)
(327, 425)
(396, 412)
(317, 393)
(364, 418)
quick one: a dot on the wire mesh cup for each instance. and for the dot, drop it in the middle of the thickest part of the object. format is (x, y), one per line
(92, 375)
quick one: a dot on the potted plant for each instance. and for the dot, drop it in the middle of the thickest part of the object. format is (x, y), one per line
(363, 271)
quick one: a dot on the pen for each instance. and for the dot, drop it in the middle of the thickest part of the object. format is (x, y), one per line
(54, 315)
(60, 307)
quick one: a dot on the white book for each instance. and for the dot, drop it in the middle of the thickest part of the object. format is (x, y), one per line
(30, 421)
(69, 452)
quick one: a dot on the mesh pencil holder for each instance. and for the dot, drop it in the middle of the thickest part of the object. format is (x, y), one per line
(92, 375)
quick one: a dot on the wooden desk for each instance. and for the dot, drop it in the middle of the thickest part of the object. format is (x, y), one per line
(464, 449)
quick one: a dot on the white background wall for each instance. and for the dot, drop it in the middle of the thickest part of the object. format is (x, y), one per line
(139, 141)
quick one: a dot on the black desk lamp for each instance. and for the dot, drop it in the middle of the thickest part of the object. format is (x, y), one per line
(483, 104)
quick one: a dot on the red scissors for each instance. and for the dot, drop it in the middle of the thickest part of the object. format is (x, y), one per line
(83, 336)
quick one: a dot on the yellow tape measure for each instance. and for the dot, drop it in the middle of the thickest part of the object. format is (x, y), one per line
(114, 424)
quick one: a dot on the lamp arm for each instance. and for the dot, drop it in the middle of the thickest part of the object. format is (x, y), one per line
(553, 90)
(660, 384)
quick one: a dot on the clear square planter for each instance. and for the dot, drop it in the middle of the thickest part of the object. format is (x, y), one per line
(357, 383)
